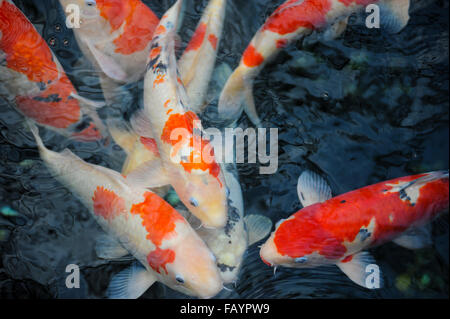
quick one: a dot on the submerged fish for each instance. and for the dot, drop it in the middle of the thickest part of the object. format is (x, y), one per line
(337, 230)
(197, 180)
(138, 222)
(34, 82)
(293, 20)
(196, 65)
(115, 36)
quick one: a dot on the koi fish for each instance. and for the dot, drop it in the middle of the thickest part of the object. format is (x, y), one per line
(230, 243)
(196, 65)
(33, 81)
(337, 230)
(138, 222)
(197, 180)
(294, 20)
(115, 37)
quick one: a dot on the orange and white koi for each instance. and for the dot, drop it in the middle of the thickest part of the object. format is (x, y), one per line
(337, 230)
(294, 20)
(196, 65)
(115, 36)
(34, 82)
(198, 181)
(141, 223)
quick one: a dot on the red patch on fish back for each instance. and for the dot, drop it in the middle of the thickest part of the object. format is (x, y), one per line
(107, 204)
(195, 160)
(158, 217)
(197, 38)
(26, 51)
(150, 144)
(213, 40)
(294, 14)
(53, 106)
(324, 227)
(159, 258)
(140, 23)
(251, 57)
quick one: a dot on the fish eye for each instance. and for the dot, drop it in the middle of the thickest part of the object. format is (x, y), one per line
(193, 202)
(301, 260)
(179, 279)
(90, 3)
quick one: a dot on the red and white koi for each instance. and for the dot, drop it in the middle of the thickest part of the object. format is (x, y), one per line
(34, 82)
(196, 65)
(293, 20)
(337, 230)
(198, 181)
(115, 36)
(140, 223)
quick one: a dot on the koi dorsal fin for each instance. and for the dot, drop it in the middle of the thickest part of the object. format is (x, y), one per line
(312, 189)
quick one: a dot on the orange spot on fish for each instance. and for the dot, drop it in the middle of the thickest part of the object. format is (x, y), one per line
(251, 57)
(160, 30)
(155, 52)
(159, 258)
(140, 23)
(169, 111)
(166, 103)
(160, 78)
(213, 40)
(294, 14)
(52, 107)
(158, 217)
(26, 51)
(150, 144)
(197, 38)
(107, 204)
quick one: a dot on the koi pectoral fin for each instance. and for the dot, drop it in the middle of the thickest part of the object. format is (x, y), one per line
(312, 189)
(415, 238)
(150, 174)
(130, 283)
(362, 270)
(107, 247)
(394, 15)
(122, 135)
(107, 64)
(258, 227)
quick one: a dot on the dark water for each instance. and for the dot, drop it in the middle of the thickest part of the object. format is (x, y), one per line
(361, 109)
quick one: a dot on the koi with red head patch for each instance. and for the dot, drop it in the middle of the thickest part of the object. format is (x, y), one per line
(292, 21)
(138, 222)
(115, 36)
(36, 83)
(187, 158)
(197, 62)
(337, 230)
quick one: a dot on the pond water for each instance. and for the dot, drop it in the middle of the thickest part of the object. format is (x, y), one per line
(363, 108)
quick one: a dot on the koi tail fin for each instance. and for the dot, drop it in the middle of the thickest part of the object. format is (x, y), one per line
(237, 96)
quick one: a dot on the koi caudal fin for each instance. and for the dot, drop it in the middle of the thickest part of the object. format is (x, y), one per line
(237, 96)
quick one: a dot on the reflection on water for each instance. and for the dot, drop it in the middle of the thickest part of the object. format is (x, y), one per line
(364, 108)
